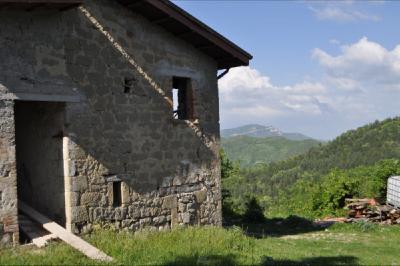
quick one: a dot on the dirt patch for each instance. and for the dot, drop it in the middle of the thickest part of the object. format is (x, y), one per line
(343, 237)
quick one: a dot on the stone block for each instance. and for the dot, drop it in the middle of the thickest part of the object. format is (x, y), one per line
(159, 220)
(178, 181)
(201, 195)
(79, 183)
(126, 223)
(145, 211)
(167, 181)
(134, 212)
(191, 207)
(181, 207)
(90, 198)
(109, 214)
(72, 168)
(170, 202)
(186, 218)
(174, 218)
(186, 198)
(145, 222)
(79, 214)
(125, 193)
(154, 211)
(5, 240)
(98, 214)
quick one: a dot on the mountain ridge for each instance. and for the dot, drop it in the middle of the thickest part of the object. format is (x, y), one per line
(260, 131)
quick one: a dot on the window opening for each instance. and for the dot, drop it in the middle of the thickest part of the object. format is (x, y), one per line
(182, 98)
(117, 195)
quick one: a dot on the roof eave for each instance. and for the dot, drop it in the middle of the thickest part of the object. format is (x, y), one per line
(234, 55)
(30, 5)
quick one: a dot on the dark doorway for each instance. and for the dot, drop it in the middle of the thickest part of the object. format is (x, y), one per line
(39, 150)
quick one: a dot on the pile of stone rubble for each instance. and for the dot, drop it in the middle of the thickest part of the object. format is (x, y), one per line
(370, 211)
(364, 210)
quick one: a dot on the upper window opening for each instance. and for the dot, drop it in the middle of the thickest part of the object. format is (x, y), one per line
(182, 98)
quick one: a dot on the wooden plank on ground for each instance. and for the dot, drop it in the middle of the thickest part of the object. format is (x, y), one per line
(57, 230)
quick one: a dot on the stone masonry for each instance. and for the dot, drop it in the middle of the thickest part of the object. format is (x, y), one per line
(113, 71)
(8, 188)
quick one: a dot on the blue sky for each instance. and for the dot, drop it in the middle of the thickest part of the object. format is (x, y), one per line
(319, 68)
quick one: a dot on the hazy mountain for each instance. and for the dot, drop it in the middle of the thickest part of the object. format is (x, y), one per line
(260, 131)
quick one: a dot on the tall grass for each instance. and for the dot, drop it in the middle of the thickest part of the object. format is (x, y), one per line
(358, 244)
(187, 246)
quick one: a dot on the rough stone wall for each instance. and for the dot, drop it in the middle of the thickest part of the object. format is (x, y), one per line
(120, 67)
(8, 189)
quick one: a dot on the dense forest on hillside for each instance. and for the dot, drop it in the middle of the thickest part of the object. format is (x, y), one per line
(250, 151)
(355, 164)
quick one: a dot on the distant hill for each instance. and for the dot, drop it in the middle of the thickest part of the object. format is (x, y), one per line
(362, 146)
(354, 164)
(259, 131)
(255, 150)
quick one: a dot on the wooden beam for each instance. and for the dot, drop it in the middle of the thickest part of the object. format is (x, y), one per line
(69, 238)
(202, 47)
(34, 6)
(183, 34)
(134, 5)
(41, 1)
(160, 20)
(67, 7)
(30, 5)
(3, 5)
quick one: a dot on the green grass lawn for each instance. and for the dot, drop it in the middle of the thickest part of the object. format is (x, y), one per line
(340, 244)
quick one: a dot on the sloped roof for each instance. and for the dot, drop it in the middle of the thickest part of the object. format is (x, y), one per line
(169, 16)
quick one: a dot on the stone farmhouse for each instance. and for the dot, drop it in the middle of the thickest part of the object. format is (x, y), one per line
(109, 114)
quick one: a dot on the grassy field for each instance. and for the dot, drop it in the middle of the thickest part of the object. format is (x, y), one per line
(362, 244)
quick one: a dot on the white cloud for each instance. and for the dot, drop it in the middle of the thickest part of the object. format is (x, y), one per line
(306, 87)
(362, 65)
(343, 83)
(245, 91)
(358, 85)
(255, 111)
(342, 12)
